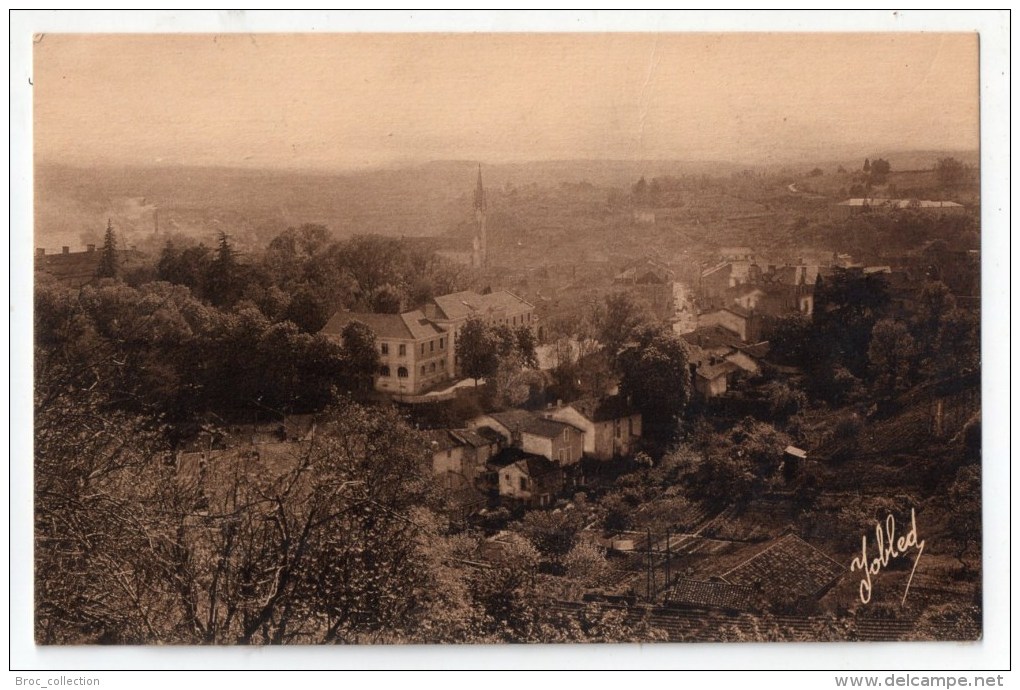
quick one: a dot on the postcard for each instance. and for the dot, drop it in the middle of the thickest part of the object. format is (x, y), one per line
(481, 337)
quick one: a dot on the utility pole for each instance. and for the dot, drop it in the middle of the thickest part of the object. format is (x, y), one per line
(651, 570)
(668, 558)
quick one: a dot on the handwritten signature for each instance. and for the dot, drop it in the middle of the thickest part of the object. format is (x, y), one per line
(888, 547)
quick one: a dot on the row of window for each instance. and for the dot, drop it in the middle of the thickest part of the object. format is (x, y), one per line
(402, 347)
(402, 372)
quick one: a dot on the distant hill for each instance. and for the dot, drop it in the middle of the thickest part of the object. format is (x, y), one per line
(903, 160)
(253, 205)
(73, 204)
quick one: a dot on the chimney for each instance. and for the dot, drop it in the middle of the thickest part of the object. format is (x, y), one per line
(90, 248)
(40, 251)
(430, 311)
(65, 250)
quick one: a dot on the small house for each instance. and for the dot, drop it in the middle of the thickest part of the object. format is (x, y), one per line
(556, 441)
(459, 455)
(532, 479)
(713, 380)
(611, 427)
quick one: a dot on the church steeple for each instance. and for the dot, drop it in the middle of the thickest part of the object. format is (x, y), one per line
(479, 250)
(479, 192)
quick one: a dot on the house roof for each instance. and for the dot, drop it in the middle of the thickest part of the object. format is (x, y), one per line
(743, 360)
(475, 437)
(795, 451)
(535, 466)
(708, 337)
(606, 409)
(718, 267)
(790, 274)
(746, 289)
(461, 305)
(645, 271)
(488, 434)
(410, 325)
(441, 439)
(735, 251)
(900, 203)
(79, 268)
(717, 337)
(547, 428)
(716, 370)
(526, 422)
(505, 458)
(787, 565)
(702, 594)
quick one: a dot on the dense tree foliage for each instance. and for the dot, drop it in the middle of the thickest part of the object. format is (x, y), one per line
(156, 349)
(950, 172)
(746, 462)
(304, 275)
(321, 543)
(487, 350)
(880, 168)
(846, 309)
(618, 318)
(656, 377)
(891, 353)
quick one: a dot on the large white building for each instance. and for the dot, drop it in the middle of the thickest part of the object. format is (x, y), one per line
(417, 349)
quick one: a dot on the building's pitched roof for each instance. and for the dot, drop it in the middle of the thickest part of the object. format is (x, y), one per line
(718, 595)
(418, 326)
(788, 565)
(535, 466)
(410, 325)
(718, 267)
(489, 434)
(510, 419)
(710, 338)
(475, 437)
(795, 451)
(645, 271)
(79, 268)
(735, 251)
(547, 428)
(526, 422)
(791, 274)
(743, 360)
(460, 305)
(606, 409)
(716, 370)
(746, 289)
(505, 458)
(900, 203)
(441, 439)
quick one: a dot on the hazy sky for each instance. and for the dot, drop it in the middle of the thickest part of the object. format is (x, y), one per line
(348, 100)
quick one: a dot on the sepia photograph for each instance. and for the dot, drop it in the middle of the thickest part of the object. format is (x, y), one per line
(475, 338)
